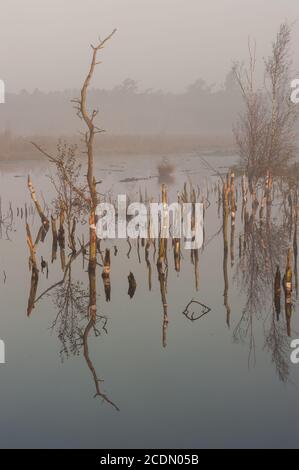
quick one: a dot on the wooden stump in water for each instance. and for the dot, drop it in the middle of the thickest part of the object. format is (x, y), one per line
(54, 238)
(287, 285)
(44, 219)
(132, 285)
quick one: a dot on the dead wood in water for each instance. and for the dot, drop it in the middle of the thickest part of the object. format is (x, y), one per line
(148, 264)
(295, 245)
(132, 285)
(194, 252)
(287, 285)
(32, 248)
(163, 289)
(277, 292)
(106, 275)
(244, 196)
(233, 218)
(61, 237)
(162, 275)
(61, 231)
(177, 254)
(44, 219)
(225, 203)
(191, 314)
(91, 201)
(147, 248)
(72, 237)
(92, 266)
(162, 264)
(34, 270)
(163, 229)
(54, 238)
(33, 291)
(44, 267)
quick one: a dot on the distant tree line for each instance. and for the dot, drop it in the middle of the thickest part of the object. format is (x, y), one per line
(125, 109)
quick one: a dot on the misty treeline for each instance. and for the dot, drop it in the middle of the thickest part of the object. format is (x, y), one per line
(260, 113)
(126, 109)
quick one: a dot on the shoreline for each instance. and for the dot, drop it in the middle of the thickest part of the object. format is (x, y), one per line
(19, 148)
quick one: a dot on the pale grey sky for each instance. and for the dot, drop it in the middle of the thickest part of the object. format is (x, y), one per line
(163, 44)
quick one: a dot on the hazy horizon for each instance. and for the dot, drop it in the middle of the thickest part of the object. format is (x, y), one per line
(45, 45)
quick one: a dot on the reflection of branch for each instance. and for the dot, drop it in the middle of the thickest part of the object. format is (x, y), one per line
(148, 264)
(276, 342)
(57, 284)
(90, 325)
(130, 247)
(163, 289)
(245, 325)
(208, 166)
(225, 250)
(34, 269)
(6, 221)
(72, 302)
(33, 290)
(191, 316)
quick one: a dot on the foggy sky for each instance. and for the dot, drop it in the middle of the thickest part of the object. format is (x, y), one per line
(163, 44)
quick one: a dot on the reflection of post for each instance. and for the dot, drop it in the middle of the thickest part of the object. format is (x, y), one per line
(177, 246)
(54, 238)
(72, 237)
(106, 275)
(287, 284)
(244, 196)
(195, 262)
(269, 184)
(34, 271)
(225, 250)
(132, 285)
(92, 266)
(233, 218)
(148, 263)
(61, 237)
(295, 247)
(162, 281)
(277, 292)
(164, 226)
(162, 270)
(177, 254)
(194, 252)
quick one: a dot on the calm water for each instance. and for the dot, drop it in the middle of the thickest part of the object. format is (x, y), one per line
(213, 385)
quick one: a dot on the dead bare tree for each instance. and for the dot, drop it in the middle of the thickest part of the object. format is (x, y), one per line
(88, 196)
(92, 198)
(92, 130)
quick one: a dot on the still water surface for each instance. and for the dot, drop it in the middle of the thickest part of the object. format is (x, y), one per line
(211, 386)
